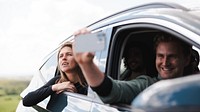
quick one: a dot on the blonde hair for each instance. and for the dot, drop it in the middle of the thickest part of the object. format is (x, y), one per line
(64, 77)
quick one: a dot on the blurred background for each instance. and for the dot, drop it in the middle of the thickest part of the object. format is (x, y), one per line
(30, 29)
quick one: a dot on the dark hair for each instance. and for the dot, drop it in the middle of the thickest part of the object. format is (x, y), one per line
(192, 67)
(164, 37)
(139, 45)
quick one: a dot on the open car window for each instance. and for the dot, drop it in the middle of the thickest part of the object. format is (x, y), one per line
(135, 34)
(129, 34)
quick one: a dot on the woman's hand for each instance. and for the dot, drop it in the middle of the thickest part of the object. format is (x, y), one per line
(64, 86)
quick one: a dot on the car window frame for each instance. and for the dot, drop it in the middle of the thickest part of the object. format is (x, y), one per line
(115, 57)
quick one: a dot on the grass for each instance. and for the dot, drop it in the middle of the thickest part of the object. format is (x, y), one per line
(9, 103)
(9, 93)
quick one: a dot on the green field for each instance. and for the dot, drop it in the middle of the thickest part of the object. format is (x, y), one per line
(9, 94)
(9, 103)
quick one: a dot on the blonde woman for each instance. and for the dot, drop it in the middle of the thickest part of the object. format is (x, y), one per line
(71, 79)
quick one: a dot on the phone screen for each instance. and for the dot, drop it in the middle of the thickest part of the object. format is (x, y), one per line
(90, 42)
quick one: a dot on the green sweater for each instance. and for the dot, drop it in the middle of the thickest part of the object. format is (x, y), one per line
(115, 91)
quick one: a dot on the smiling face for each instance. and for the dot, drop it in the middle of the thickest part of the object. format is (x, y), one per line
(170, 60)
(66, 60)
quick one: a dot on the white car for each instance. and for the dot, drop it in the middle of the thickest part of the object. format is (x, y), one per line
(141, 23)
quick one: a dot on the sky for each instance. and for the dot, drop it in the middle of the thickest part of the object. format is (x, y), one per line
(31, 29)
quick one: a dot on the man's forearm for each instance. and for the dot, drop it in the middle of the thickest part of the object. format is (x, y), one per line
(92, 74)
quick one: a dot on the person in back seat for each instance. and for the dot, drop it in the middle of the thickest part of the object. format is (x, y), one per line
(135, 57)
(192, 68)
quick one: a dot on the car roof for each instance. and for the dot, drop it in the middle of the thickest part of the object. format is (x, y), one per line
(161, 10)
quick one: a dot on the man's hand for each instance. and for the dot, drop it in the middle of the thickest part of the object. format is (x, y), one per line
(91, 72)
(86, 57)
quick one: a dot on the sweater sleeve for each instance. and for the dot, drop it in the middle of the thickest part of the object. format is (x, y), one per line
(125, 91)
(104, 88)
(34, 97)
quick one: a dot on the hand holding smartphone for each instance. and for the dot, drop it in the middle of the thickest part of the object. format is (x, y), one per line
(90, 42)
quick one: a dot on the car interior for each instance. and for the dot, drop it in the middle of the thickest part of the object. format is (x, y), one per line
(192, 68)
(146, 36)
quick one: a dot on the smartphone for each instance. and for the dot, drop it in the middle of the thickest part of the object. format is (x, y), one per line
(90, 42)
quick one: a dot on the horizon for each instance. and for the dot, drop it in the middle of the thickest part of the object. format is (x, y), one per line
(17, 77)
